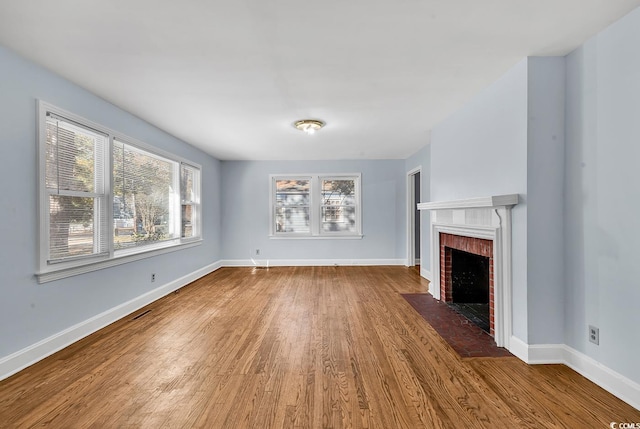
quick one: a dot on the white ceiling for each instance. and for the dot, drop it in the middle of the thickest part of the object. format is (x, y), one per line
(231, 76)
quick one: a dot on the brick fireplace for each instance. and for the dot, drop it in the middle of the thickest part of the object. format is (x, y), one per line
(478, 226)
(471, 245)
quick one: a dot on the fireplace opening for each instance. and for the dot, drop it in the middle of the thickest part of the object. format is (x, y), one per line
(470, 280)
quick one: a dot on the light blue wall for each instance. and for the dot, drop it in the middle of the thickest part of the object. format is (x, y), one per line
(603, 196)
(422, 158)
(245, 211)
(481, 150)
(30, 312)
(563, 133)
(545, 181)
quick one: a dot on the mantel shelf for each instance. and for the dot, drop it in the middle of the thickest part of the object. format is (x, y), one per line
(470, 203)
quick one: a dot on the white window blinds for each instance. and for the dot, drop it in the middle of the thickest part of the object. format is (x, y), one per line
(316, 206)
(76, 190)
(104, 198)
(293, 202)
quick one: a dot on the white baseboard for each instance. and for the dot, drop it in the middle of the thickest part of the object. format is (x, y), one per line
(308, 262)
(605, 377)
(426, 274)
(541, 354)
(519, 349)
(21, 359)
(611, 381)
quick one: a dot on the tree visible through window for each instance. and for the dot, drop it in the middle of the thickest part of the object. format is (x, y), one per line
(105, 197)
(142, 188)
(316, 205)
(339, 205)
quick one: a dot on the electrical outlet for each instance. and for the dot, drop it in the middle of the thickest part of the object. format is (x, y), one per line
(257, 252)
(153, 277)
(594, 335)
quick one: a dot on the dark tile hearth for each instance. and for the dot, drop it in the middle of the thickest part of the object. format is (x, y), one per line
(467, 339)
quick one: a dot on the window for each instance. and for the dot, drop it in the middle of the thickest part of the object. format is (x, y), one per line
(190, 201)
(105, 197)
(293, 201)
(339, 205)
(317, 206)
(75, 190)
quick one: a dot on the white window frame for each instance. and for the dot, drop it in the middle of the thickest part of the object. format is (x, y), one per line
(196, 204)
(315, 211)
(55, 270)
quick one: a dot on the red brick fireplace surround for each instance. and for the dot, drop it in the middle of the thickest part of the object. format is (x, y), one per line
(476, 246)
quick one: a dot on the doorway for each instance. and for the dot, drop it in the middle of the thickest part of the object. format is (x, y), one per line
(414, 220)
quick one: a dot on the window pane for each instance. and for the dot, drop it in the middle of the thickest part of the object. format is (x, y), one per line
(142, 185)
(292, 192)
(71, 226)
(187, 221)
(187, 184)
(190, 197)
(292, 219)
(339, 219)
(338, 192)
(71, 157)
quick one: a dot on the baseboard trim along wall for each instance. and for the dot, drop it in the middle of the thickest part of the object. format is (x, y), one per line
(265, 263)
(21, 359)
(611, 381)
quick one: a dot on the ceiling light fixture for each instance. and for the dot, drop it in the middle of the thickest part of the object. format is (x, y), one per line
(309, 126)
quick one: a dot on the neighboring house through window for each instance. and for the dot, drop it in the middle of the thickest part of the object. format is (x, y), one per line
(308, 206)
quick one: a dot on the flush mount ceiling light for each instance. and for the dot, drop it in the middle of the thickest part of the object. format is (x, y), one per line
(309, 126)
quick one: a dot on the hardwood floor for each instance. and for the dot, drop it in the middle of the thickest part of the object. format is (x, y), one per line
(305, 347)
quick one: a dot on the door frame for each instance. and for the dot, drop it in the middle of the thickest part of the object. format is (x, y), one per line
(411, 216)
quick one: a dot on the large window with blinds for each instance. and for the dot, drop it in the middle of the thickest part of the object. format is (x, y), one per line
(105, 197)
(316, 206)
(75, 189)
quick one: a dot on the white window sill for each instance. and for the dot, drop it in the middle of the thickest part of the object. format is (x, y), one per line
(317, 237)
(61, 273)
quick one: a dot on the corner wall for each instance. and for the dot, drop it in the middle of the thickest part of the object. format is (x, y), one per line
(545, 199)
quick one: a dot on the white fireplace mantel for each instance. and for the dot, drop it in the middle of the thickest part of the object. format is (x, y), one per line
(470, 203)
(487, 218)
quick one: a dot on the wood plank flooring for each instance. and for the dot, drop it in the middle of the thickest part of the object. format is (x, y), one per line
(294, 347)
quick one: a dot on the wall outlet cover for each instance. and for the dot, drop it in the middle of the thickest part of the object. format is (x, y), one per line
(594, 335)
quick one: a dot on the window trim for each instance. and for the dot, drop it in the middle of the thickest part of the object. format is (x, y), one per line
(50, 271)
(97, 195)
(272, 205)
(197, 205)
(315, 204)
